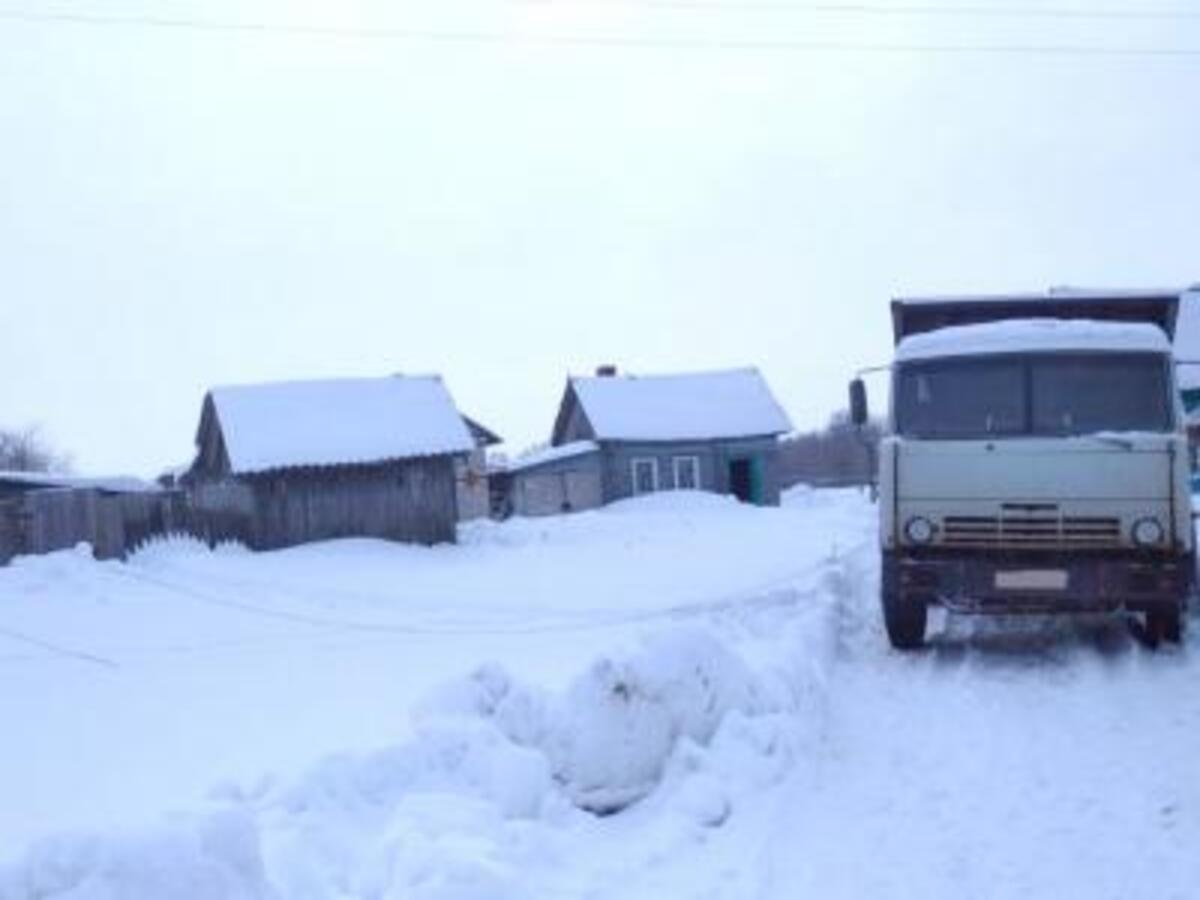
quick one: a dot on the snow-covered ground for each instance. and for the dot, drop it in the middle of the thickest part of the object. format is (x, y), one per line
(673, 697)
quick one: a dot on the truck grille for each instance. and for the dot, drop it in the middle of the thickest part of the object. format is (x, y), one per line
(1031, 525)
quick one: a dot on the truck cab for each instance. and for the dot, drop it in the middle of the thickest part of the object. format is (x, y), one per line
(1035, 461)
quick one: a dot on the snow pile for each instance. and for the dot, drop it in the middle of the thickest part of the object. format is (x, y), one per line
(619, 722)
(208, 858)
(495, 775)
(638, 669)
(608, 736)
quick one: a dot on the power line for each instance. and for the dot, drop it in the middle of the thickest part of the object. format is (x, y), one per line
(899, 11)
(613, 41)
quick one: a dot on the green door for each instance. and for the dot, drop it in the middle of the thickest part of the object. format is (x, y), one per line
(746, 479)
(756, 481)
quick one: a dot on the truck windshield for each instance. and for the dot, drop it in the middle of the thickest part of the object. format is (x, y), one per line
(1033, 395)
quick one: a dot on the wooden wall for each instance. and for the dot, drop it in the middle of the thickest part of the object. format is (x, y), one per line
(11, 540)
(404, 501)
(411, 500)
(44, 521)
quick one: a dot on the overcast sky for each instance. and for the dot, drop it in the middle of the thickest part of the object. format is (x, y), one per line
(182, 206)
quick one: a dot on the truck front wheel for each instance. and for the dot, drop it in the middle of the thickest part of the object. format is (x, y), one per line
(904, 616)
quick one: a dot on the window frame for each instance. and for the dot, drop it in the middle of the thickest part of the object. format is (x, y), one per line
(694, 461)
(633, 470)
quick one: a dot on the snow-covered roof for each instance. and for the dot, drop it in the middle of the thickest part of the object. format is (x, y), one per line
(694, 406)
(116, 484)
(915, 315)
(1054, 293)
(338, 422)
(552, 454)
(1024, 335)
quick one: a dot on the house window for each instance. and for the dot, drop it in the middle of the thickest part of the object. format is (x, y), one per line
(645, 476)
(687, 473)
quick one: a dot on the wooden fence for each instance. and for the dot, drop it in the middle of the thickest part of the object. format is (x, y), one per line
(114, 524)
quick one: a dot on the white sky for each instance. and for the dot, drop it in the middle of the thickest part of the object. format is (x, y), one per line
(181, 208)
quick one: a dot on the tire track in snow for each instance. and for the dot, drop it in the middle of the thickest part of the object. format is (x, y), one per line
(1007, 760)
(58, 650)
(778, 592)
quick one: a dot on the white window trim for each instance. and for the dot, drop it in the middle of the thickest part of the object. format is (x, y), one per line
(634, 472)
(695, 463)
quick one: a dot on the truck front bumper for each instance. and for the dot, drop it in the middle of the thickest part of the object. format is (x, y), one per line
(1042, 582)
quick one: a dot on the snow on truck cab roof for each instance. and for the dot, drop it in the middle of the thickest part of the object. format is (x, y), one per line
(1160, 308)
(1034, 335)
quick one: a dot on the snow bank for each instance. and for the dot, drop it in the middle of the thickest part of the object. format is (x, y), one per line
(610, 735)
(618, 723)
(495, 770)
(492, 791)
(211, 858)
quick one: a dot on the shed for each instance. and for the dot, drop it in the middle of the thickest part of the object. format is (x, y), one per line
(624, 435)
(293, 462)
(471, 473)
(554, 480)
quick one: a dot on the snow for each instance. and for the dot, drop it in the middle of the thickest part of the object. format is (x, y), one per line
(695, 406)
(678, 696)
(335, 422)
(1033, 335)
(1066, 292)
(552, 454)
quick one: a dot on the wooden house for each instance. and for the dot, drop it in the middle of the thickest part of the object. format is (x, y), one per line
(619, 436)
(292, 462)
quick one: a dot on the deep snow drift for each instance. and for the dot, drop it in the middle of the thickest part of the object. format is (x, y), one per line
(675, 697)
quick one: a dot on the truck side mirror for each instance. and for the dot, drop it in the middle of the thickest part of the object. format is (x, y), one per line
(858, 402)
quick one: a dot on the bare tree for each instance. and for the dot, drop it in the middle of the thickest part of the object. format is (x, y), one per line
(839, 454)
(27, 451)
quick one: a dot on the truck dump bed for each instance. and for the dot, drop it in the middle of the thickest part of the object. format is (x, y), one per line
(917, 315)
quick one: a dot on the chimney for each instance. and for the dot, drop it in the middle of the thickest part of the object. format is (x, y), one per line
(608, 370)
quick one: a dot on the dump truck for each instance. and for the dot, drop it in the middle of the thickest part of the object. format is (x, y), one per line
(1034, 461)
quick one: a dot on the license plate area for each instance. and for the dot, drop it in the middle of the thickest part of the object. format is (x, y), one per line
(1032, 580)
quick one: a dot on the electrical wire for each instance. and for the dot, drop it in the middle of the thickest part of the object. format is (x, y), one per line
(613, 41)
(899, 10)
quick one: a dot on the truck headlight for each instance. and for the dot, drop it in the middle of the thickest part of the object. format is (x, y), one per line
(919, 530)
(1147, 532)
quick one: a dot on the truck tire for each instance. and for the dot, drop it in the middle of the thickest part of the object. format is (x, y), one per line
(905, 616)
(1164, 624)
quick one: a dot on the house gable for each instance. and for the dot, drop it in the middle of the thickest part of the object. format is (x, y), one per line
(571, 424)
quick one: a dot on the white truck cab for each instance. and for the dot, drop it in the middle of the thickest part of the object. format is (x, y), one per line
(1035, 461)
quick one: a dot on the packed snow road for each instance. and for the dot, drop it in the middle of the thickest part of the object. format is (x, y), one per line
(678, 697)
(1034, 759)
